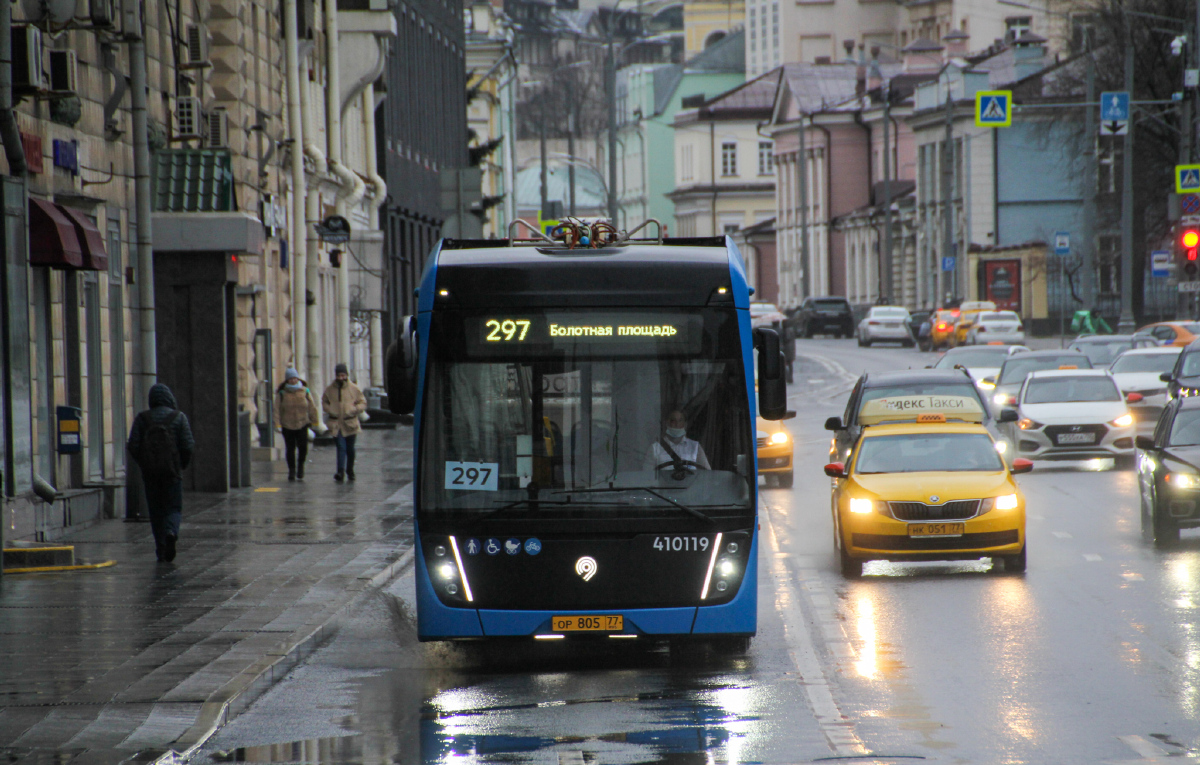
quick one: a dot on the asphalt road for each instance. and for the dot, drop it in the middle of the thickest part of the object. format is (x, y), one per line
(1092, 656)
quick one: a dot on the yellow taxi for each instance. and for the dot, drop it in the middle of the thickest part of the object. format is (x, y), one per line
(774, 453)
(942, 334)
(968, 314)
(925, 481)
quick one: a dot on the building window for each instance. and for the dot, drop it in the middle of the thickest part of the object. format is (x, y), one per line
(1017, 26)
(766, 165)
(729, 159)
(685, 162)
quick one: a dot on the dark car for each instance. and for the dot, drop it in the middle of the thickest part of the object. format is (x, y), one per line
(1103, 349)
(1007, 382)
(1169, 473)
(824, 316)
(911, 382)
(1185, 377)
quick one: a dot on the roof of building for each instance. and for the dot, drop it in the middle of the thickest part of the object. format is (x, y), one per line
(726, 55)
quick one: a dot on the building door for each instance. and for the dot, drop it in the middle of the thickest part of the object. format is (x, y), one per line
(264, 399)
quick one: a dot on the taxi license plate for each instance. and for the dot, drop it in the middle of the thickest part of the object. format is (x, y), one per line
(600, 623)
(1076, 438)
(936, 529)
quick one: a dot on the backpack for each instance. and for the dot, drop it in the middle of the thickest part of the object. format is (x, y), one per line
(159, 457)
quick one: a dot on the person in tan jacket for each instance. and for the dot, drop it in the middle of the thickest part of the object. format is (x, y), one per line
(295, 412)
(343, 402)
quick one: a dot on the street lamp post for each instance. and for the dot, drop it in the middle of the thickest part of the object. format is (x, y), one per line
(610, 72)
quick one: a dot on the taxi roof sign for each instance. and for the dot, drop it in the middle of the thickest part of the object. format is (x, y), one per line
(921, 409)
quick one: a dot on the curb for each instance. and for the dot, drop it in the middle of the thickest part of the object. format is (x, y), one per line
(248, 685)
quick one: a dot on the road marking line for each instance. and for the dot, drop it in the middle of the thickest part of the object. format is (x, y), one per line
(1133, 576)
(1092, 557)
(1062, 534)
(1143, 746)
(838, 729)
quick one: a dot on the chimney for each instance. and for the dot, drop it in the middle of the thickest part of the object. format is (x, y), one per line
(922, 56)
(956, 43)
(875, 78)
(1029, 55)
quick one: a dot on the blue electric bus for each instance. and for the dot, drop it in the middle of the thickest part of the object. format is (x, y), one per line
(584, 438)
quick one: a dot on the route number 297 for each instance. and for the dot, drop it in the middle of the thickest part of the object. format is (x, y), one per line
(507, 329)
(681, 544)
(472, 476)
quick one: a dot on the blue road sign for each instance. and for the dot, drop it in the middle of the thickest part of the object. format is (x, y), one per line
(1160, 263)
(993, 108)
(1187, 179)
(1114, 105)
(1062, 243)
(948, 263)
(1189, 203)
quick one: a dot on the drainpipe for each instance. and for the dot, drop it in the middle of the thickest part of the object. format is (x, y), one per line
(13, 149)
(312, 214)
(350, 182)
(297, 235)
(380, 188)
(145, 235)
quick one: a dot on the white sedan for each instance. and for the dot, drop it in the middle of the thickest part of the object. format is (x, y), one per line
(996, 327)
(1137, 371)
(1072, 414)
(981, 362)
(885, 323)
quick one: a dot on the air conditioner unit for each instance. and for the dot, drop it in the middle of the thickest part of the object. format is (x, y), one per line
(218, 129)
(196, 46)
(27, 58)
(104, 13)
(189, 117)
(64, 71)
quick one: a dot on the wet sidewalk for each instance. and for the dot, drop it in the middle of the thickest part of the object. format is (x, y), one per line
(141, 658)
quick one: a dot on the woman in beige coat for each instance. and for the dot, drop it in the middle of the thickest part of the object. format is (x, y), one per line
(343, 402)
(295, 413)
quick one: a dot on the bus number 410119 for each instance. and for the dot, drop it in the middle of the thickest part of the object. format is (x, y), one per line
(681, 544)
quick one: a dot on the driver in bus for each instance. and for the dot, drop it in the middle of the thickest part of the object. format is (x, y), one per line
(674, 444)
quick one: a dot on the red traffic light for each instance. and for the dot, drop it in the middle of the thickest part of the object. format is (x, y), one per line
(1190, 238)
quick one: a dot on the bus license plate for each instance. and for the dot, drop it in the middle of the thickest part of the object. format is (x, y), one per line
(936, 529)
(601, 623)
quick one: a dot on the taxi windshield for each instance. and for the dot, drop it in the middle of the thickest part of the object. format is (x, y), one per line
(1070, 390)
(1145, 362)
(928, 452)
(1017, 369)
(981, 357)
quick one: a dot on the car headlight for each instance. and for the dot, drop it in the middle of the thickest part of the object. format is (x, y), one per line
(1028, 424)
(1124, 421)
(1004, 399)
(1183, 480)
(779, 438)
(1006, 502)
(985, 384)
(859, 505)
(1001, 447)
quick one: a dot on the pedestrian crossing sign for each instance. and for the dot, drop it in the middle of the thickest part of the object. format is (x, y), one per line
(993, 108)
(1187, 179)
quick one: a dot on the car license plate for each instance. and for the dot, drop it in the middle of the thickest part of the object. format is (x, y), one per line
(1076, 438)
(936, 529)
(589, 623)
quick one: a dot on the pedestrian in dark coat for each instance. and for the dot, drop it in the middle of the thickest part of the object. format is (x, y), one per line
(162, 445)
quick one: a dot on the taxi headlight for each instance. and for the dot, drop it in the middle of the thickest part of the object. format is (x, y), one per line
(986, 385)
(1124, 421)
(1183, 480)
(859, 505)
(779, 438)
(1006, 502)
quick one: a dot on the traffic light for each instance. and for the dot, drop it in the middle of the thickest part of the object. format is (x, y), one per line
(1189, 246)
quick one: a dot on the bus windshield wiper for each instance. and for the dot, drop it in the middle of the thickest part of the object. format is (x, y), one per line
(609, 489)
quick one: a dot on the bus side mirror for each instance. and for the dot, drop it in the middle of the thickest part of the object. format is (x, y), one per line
(401, 368)
(772, 386)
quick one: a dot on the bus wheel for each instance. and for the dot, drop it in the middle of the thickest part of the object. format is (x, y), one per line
(735, 645)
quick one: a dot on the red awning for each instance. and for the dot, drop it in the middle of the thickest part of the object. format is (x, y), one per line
(95, 256)
(53, 240)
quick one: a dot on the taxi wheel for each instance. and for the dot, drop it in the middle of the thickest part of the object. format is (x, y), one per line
(1015, 564)
(784, 480)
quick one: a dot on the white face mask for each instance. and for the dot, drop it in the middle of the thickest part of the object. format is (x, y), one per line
(676, 432)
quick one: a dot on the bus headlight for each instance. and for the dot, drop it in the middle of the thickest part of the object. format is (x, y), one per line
(725, 567)
(862, 506)
(447, 571)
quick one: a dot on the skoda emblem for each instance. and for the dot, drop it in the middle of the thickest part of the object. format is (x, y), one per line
(586, 567)
(934, 498)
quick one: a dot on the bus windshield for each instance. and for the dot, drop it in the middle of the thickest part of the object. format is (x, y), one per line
(586, 414)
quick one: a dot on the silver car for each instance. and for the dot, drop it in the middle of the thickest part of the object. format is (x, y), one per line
(1140, 371)
(996, 327)
(885, 323)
